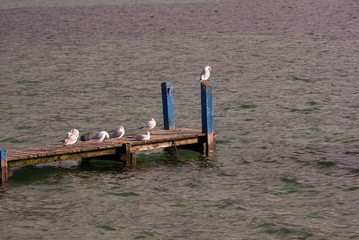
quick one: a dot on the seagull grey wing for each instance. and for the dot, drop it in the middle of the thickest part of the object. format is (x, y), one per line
(201, 77)
(96, 136)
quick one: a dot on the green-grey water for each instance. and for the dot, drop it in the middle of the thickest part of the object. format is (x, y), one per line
(284, 77)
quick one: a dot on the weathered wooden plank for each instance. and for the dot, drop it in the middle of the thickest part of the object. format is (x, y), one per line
(62, 157)
(165, 144)
(40, 153)
(169, 139)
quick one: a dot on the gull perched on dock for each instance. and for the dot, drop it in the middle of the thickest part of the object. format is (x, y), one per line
(71, 138)
(206, 72)
(101, 136)
(119, 132)
(149, 125)
(143, 136)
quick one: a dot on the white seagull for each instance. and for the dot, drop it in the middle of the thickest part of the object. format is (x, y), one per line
(206, 72)
(149, 125)
(119, 132)
(143, 136)
(71, 138)
(101, 136)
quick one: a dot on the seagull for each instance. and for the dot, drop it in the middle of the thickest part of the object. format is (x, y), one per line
(101, 136)
(206, 72)
(149, 125)
(71, 138)
(143, 136)
(119, 132)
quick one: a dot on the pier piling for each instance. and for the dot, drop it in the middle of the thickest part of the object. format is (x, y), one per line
(167, 104)
(207, 117)
(4, 166)
(127, 155)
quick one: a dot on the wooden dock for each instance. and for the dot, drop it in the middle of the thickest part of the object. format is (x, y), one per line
(123, 149)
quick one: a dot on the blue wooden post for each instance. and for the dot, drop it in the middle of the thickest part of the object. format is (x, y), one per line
(4, 169)
(167, 104)
(207, 116)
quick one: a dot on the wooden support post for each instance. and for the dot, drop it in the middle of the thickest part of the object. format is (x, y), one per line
(207, 117)
(173, 152)
(127, 155)
(167, 104)
(4, 168)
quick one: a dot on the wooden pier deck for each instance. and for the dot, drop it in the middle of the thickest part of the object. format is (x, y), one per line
(123, 149)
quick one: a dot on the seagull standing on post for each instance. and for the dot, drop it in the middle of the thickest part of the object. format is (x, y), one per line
(205, 73)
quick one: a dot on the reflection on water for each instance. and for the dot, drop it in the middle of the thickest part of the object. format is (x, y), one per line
(285, 108)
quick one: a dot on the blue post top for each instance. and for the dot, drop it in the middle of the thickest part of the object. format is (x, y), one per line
(206, 108)
(166, 85)
(168, 106)
(2, 153)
